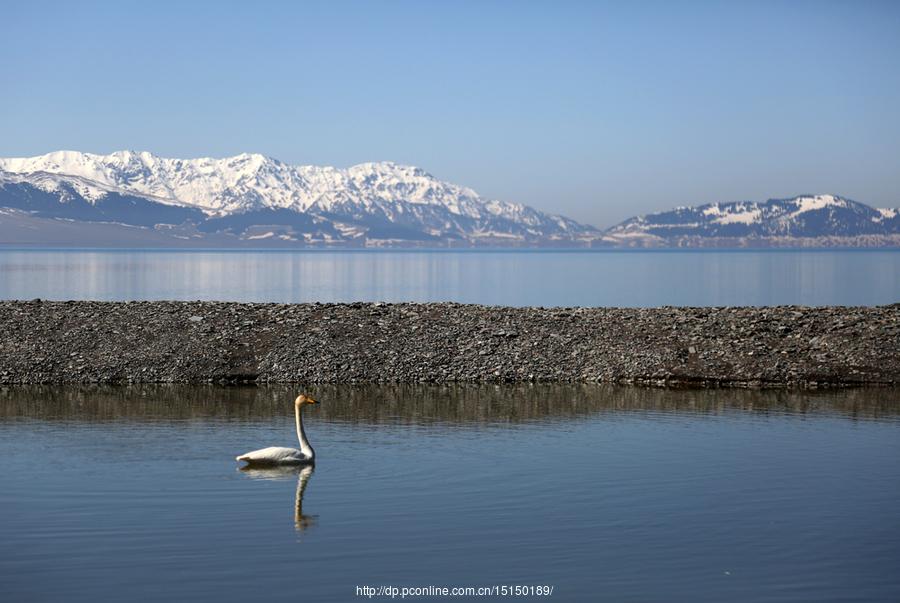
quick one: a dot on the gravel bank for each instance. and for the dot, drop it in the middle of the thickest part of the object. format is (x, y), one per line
(193, 342)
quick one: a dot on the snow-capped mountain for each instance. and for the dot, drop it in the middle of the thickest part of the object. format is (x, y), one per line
(255, 197)
(819, 220)
(69, 197)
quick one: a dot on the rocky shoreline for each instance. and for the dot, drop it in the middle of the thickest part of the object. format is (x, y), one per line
(199, 342)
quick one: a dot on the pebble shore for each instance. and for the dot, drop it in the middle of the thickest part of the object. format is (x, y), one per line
(224, 342)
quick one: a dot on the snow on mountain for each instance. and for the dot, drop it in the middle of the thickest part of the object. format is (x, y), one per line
(215, 186)
(802, 217)
(251, 197)
(64, 186)
(253, 181)
(375, 200)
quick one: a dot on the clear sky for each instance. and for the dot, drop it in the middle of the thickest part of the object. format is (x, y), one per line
(595, 110)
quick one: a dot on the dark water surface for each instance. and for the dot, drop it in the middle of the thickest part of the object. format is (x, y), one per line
(617, 494)
(512, 278)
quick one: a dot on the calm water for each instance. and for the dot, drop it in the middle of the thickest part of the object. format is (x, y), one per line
(515, 278)
(604, 493)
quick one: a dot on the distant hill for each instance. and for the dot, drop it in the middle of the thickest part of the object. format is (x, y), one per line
(807, 220)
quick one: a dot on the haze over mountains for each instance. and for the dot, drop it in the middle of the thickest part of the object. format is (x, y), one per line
(139, 199)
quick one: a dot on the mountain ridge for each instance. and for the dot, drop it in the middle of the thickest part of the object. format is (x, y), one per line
(253, 199)
(802, 217)
(360, 201)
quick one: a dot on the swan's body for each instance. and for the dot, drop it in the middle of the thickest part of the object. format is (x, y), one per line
(278, 455)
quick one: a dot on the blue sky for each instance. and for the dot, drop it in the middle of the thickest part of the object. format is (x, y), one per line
(596, 110)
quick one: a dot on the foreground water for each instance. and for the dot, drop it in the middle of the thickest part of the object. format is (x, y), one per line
(512, 278)
(603, 493)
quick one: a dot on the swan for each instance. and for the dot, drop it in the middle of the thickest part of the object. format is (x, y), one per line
(277, 455)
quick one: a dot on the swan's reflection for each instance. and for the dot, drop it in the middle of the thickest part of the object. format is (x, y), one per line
(284, 472)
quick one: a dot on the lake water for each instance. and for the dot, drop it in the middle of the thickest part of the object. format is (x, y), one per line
(603, 493)
(515, 278)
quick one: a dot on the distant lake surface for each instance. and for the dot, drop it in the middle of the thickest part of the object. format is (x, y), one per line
(603, 493)
(516, 278)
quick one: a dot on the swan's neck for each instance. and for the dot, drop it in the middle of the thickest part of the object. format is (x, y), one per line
(305, 448)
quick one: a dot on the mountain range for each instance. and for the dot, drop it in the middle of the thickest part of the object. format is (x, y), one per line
(802, 221)
(249, 200)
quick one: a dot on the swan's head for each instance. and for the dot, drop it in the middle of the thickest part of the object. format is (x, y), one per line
(303, 400)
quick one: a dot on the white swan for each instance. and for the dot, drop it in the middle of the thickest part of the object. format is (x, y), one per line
(277, 455)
